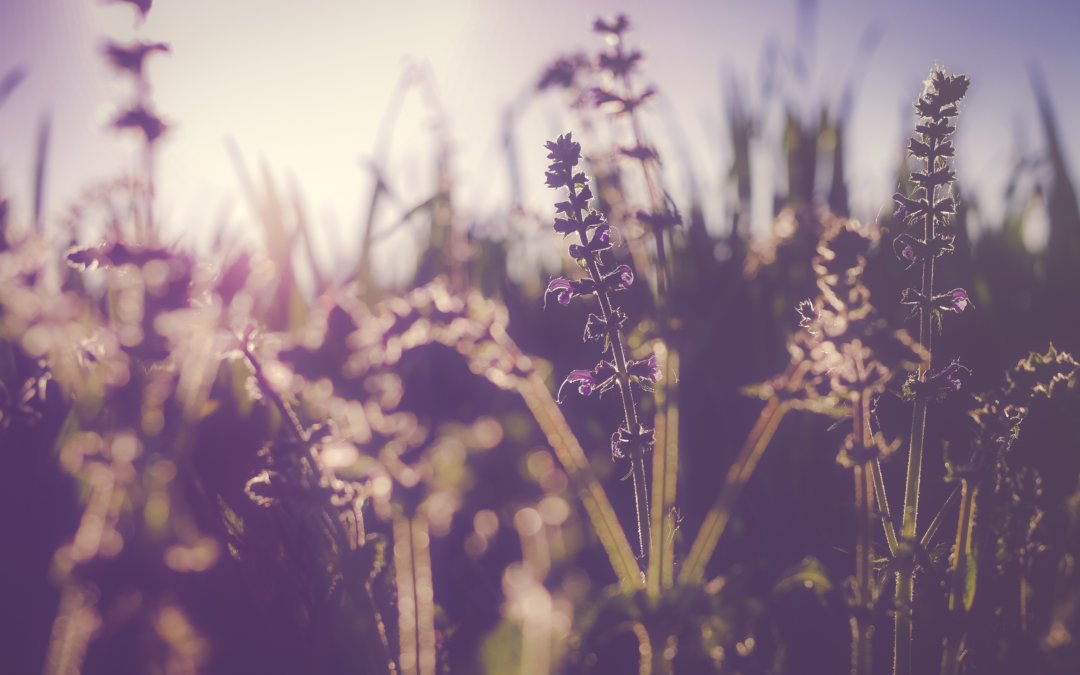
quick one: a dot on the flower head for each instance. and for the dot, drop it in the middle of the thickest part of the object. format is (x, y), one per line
(956, 300)
(564, 152)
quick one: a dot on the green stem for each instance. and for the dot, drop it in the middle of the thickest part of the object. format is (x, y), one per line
(861, 626)
(622, 373)
(661, 569)
(716, 521)
(905, 580)
(959, 594)
(882, 500)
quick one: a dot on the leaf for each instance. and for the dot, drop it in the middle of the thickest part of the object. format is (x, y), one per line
(971, 572)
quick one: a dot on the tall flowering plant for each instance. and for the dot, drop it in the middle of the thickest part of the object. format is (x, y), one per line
(632, 439)
(927, 210)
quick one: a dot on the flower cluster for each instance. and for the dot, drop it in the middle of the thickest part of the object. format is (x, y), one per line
(846, 348)
(1001, 411)
(601, 282)
(605, 82)
(928, 207)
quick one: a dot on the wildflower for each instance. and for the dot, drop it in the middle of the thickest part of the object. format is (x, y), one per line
(620, 279)
(955, 301)
(631, 439)
(906, 248)
(600, 379)
(566, 290)
(584, 380)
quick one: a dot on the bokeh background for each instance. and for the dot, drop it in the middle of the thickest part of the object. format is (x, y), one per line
(314, 90)
(400, 142)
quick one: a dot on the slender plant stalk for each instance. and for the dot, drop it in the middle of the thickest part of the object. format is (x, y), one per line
(935, 524)
(655, 198)
(652, 660)
(861, 626)
(716, 521)
(570, 454)
(661, 568)
(415, 593)
(905, 580)
(666, 450)
(622, 374)
(959, 569)
(882, 500)
(936, 106)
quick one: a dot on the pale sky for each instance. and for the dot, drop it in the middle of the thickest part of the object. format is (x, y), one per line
(304, 86)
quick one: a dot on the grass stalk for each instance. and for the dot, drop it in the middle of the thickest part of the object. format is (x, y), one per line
(861, 625)
(882, 500)
(960, 567)
(661, 568)
(716, 521)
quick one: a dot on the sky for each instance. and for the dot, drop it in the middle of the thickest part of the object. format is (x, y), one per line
(303, 88)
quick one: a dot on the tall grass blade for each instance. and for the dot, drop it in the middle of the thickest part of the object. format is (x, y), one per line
(661, 567)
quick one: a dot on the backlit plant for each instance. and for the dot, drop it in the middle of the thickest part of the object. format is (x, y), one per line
(632, 439)
(225, 471)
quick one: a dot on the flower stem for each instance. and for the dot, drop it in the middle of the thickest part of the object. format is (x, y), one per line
(661, 569)
(882, 501)
(416, 605)
(905, 581)
(958, 578)
(618, 352)
(862, 627)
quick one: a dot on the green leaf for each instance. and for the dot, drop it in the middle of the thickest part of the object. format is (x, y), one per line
(971, 571)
